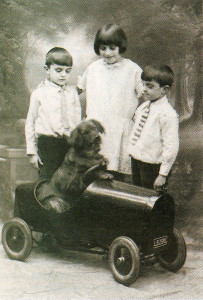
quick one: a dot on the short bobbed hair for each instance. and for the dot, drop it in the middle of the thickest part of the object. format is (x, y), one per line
(111, 34)
(59, 56)
(163, 75)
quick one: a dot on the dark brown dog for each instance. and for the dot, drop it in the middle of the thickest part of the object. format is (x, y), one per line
(70, 180)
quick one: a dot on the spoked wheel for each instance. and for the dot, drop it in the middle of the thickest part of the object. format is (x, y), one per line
(17, 239)
(124, 260)
(173, 258)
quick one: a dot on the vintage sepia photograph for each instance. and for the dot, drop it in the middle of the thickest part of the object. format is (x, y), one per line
(101, 147)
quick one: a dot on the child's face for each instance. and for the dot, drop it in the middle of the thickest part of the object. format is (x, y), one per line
(153, 91)
(110, 53)
(58, 74)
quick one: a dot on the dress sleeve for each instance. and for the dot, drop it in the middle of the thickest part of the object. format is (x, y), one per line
(169, 131)
(31, 142)
(76, 111)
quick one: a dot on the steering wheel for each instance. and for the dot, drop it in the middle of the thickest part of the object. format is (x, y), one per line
(92, 169)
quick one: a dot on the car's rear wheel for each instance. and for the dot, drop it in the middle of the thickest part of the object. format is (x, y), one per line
(174, 256)
(17, 239)
(124, 260)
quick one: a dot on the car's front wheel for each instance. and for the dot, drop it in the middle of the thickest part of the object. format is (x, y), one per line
(174, 256)
(17, 239)
(124, 260)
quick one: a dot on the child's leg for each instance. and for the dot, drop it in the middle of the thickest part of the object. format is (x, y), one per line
(135, 167)
(148, 173)
(52, 152)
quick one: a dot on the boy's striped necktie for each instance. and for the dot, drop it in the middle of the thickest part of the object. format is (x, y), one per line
(143, 118)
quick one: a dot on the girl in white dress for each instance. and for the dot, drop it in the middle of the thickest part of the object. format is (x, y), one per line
(113, 85)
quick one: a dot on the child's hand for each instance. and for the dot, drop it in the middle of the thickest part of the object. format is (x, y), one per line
(159, 183)
(35, 161)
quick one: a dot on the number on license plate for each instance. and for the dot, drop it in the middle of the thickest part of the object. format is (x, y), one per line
(159, 242)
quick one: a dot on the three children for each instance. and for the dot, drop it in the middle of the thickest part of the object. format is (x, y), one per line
(113, 86)
(54, 112)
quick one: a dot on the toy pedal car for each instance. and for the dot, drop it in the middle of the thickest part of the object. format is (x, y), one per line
(126, 223)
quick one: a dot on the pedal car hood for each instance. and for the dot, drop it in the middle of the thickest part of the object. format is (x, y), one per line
(121, 193)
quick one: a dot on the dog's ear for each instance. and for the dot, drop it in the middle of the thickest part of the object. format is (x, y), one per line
(76, 139)
(99, 126)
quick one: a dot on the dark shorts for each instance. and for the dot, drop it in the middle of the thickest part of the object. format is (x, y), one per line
(52, 151)
(144, 174)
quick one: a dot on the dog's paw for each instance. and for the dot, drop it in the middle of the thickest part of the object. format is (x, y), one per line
(105, 176)
(104, 162)
(57, 205)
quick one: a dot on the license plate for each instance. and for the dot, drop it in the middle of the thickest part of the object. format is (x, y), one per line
(161, 241)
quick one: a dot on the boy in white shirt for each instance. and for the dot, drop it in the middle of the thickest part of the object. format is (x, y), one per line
(154, 140)
(54, 112)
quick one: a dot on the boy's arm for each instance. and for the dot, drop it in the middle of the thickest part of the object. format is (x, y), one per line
(31, 142)
(169, 131)
(159, 182)
(35, 160)
(139, 88)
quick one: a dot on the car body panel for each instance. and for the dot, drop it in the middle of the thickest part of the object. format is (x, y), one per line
(107, 209)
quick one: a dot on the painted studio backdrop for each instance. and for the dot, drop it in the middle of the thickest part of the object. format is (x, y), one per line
(158, 32)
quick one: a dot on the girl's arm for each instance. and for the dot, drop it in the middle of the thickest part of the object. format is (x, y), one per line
(139, 85)
(76, 111)
(79, 90)
(81, 82)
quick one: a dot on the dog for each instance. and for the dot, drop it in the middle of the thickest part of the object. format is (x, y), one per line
(61, 192)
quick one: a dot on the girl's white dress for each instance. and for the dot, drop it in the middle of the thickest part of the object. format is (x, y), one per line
(111, 98)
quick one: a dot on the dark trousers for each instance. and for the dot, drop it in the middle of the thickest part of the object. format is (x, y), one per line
(52, 151)
(144, 174)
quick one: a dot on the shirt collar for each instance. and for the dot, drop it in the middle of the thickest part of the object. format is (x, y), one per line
(49, 83)
(112, 66)
(160, 101)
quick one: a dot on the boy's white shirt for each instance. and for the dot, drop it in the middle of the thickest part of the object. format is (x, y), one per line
(159, 140)
(44, 114)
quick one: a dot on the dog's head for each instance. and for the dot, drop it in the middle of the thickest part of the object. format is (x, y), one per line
(86, 137)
